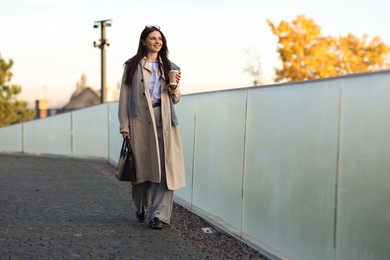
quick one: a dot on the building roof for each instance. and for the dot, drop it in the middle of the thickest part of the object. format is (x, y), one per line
(84, 98)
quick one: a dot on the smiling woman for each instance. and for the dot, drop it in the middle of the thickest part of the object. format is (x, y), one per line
(145, 109)
(153, 42)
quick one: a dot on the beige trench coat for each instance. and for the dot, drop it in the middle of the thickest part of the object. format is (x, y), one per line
(142, 128)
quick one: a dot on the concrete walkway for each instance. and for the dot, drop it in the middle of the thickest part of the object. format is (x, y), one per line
(53, 208)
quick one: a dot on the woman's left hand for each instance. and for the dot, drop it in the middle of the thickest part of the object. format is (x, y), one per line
(178, 76)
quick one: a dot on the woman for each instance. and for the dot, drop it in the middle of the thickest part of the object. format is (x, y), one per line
(147, 117)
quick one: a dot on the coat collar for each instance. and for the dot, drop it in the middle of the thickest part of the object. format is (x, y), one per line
(145, 65)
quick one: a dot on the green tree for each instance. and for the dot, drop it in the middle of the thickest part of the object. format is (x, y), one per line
(307, 54)
(12, 110)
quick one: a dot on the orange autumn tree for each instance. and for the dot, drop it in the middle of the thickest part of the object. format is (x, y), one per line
(307, 54)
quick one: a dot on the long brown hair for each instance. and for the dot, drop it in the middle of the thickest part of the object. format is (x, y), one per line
(142, 51)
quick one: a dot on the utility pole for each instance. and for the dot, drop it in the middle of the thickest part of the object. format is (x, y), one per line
(103, 43)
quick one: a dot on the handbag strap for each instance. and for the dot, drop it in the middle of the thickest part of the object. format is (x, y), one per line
(127, 140)
(128, 152)
(125, 146)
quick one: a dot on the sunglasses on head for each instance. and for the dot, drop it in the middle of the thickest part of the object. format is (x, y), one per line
(152, 27)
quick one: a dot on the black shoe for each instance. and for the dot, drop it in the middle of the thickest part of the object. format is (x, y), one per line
(156, 223)
(141, 216)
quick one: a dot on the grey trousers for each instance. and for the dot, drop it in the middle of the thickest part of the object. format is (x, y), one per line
(155, 197)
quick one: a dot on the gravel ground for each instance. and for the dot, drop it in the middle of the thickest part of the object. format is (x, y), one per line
(214, 245)
(57, 208)
(189, 226)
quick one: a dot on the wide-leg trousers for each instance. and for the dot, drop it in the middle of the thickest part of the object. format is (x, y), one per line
(155, 197)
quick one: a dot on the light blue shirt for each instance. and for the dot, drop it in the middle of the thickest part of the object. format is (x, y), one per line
(154, 83)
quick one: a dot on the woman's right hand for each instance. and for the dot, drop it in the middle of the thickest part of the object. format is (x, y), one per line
(125, 134)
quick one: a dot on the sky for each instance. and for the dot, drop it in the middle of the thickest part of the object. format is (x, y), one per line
(51, 41)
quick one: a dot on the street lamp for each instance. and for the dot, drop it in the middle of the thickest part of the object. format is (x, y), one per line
(102, 43)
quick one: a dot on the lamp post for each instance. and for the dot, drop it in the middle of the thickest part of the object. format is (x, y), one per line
(102, 43)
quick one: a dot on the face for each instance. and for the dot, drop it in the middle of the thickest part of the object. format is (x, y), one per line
(153, 42)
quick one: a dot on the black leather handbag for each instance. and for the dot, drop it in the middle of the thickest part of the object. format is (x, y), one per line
(125, 170)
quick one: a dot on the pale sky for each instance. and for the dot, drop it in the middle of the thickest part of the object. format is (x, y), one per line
(51, 42)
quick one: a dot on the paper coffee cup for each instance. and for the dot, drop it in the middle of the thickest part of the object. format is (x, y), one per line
(172, 77)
